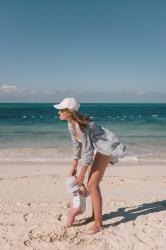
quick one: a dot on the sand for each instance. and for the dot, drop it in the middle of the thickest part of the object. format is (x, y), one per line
(34, 203)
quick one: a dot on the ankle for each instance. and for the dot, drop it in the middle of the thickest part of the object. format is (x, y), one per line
(98, 224)
(67, 225)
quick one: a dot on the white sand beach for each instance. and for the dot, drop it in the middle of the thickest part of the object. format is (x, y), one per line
(33, 208)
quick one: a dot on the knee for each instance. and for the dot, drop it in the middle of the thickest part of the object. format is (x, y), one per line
(92, 186)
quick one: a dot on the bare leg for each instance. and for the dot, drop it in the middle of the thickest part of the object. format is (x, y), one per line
(92, 218)
(73, 212)
(97, 171)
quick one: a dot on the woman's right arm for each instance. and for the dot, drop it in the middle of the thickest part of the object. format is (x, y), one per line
(77, 146)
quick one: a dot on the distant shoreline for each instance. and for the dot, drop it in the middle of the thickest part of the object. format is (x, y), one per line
(63, 154)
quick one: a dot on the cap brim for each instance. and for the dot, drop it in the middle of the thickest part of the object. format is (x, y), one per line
(57, 106)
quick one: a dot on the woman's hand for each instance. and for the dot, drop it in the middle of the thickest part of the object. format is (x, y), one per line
(79, 180)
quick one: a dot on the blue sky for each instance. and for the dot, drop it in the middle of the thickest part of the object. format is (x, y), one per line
(52, 48)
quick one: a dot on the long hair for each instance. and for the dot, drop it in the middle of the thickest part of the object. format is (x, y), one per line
(82, 120)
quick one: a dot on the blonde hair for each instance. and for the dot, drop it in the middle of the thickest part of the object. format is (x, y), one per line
(82, 120)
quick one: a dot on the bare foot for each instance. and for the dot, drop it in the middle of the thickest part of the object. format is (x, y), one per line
(95, 229)
(67, 225)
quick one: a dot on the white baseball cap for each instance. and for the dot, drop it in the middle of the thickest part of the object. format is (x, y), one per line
(68, 103)
(70, 184)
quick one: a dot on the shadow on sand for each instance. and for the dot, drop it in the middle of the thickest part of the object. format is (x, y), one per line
(129, 213)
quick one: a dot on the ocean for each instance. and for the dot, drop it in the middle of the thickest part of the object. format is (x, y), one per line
(34, 131)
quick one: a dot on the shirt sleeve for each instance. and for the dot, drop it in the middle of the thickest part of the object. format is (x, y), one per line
(77, 146)
(87, 150)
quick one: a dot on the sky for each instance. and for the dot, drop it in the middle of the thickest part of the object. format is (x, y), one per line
(109, 50)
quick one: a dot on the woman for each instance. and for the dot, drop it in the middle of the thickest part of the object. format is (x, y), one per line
(96, 146)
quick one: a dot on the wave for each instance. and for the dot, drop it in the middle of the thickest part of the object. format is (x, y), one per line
(65, 154)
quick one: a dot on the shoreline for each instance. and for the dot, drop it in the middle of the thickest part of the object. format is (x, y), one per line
(62, 154)
(139, 163)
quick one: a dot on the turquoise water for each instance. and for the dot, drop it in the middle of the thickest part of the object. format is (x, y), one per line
(141, 126)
